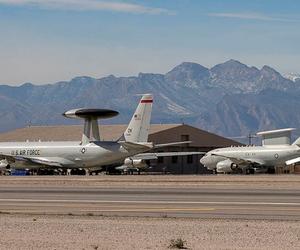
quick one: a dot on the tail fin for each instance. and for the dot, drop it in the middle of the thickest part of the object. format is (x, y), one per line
(297, 142)
(139, 126)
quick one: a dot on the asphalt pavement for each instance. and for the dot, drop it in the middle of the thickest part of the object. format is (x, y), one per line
(162, 201)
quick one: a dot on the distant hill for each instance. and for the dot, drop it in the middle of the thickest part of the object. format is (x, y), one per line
(229, 99)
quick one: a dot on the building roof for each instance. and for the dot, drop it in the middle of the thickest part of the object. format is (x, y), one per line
(200, 138)
(70, 132)
(159, 133)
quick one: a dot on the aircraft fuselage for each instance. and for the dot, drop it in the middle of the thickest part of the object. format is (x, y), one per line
(265, 155)
(68, 154)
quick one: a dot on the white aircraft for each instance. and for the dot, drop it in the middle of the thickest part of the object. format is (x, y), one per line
(90, 152)
(276, 150)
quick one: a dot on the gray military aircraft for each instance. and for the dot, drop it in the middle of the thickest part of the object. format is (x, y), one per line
(90, 153)
(276, 150)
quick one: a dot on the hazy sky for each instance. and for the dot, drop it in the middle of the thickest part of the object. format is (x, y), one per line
(44, 41)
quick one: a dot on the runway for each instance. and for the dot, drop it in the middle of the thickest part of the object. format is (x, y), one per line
(162, 201)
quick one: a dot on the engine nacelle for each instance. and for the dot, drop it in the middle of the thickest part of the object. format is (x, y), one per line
(226, 166)
(135, 163)
(4, 164)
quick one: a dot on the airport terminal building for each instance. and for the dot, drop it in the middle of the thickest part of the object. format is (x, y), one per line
(201, 141)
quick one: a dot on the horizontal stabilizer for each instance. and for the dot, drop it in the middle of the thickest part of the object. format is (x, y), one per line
(171, 144)
(293, 161)
(124, 168)
(154, 156)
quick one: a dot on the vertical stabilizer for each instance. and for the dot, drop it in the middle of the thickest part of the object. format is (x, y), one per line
(139, 126)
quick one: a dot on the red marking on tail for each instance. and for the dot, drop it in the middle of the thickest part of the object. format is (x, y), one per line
(146, 101)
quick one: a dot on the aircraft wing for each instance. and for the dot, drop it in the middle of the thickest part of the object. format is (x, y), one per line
(153, 156)
(147, 146)
(241, 160)
(46, 162)
(55, 162)
(293, 161)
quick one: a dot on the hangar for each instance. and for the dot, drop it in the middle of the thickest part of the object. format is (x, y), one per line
(159, 133)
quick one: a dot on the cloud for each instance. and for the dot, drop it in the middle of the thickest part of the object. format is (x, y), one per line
(252, 16)
(89, 5)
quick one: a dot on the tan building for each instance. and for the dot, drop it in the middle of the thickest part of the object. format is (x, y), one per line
(201, 141)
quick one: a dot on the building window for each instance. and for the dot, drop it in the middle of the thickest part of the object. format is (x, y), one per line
(185, 137)
(160, 159)
(174, 159)
(189, 159)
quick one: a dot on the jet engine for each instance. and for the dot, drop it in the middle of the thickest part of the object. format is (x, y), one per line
(135, 163)
(226, 166)
(4, 164)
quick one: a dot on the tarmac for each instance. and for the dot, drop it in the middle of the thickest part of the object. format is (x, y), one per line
(150, 212)
(173, 202)
(139, 196)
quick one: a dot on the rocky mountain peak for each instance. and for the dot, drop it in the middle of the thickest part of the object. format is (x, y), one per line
(82, 79)
(27, 85)
(110, 77)
(150, 76)
(229, 98)
(271, 74)
(235, 75)
(188, 72)
(292, 76)
(233, 67)
(269, 70)
(188, 68)
(233, 63)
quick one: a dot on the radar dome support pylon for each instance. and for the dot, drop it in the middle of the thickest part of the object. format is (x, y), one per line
(90, 116)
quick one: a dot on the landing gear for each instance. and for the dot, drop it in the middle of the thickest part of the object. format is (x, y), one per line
(130, 172)
(250, 171)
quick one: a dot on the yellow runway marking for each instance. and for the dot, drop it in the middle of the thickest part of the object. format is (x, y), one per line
(110, 208)
(259, 209)
(152, 202)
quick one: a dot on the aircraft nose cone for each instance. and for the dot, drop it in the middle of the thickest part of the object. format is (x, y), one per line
(203, 160)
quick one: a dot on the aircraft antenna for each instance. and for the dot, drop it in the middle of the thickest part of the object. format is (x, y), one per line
(250, 137)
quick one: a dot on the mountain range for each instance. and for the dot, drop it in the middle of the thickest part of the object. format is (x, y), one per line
(229, 99)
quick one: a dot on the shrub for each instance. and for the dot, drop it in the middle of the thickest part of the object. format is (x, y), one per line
(178, 243)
